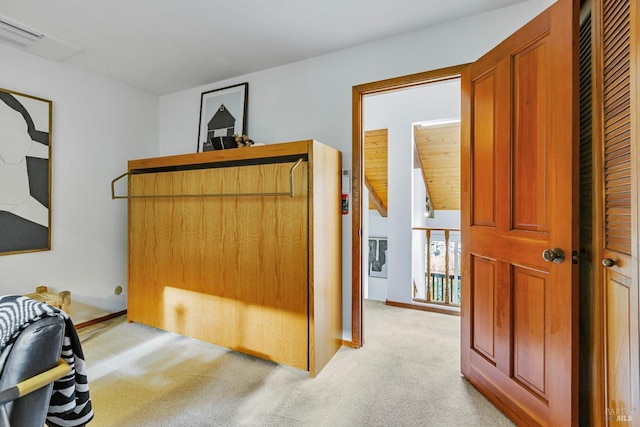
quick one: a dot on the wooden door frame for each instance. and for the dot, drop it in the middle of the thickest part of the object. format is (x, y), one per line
(358, 94)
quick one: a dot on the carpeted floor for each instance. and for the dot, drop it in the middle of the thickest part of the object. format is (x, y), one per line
(407, 374)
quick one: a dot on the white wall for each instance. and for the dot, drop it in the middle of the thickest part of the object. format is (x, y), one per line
(312, 99)
(418, 237)
(98, 125)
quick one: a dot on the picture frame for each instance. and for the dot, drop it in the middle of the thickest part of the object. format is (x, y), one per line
(25, 171)
(223, 113)
(378, 261)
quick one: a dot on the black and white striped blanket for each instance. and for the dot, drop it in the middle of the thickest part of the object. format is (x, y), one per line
(70, 404)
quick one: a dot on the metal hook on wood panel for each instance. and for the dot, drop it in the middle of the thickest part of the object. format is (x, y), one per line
(289, 193)
(113, 187)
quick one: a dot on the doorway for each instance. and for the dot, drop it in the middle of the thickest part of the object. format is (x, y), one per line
(412, 190)
(359, 93)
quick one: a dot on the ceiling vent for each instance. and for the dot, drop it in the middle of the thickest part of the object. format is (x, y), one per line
(33, 41)
(16, 36)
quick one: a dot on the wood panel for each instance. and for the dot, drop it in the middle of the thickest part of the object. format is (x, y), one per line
(530, 328)
(200, 255)
(621, 401)
(483, 184)
(617, 124)
(484, 306)
(376, 168)
(531, 142)
(438, 148)
(325, 238)
(260, 274)
(248, 153)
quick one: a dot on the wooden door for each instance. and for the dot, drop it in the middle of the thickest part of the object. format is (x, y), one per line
(615, 156)
(519, 193)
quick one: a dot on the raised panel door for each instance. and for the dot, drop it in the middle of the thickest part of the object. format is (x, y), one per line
(519, 312)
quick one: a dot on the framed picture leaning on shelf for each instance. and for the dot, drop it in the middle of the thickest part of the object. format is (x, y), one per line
(223, 113)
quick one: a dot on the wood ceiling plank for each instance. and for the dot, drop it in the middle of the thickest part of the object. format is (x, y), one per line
(439, 150)
(376, 168)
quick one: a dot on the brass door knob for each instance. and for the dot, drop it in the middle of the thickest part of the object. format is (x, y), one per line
(553, 255)
(608, 262)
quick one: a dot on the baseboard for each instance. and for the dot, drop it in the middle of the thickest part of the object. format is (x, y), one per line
(349, 344)
(100, 319)
(424, 307)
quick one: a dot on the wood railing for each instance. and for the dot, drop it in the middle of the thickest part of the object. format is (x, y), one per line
(443, 290)
(442, 267)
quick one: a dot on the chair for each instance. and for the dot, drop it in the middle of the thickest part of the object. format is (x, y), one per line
(28, 369)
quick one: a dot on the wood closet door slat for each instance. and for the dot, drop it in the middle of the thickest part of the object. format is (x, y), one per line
(617, 126)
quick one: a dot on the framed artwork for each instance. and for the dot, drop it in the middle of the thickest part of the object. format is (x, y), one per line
(378, 257)
(25, 173)
(223, 113)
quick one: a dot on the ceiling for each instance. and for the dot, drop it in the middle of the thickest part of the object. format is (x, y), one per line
(437, 155)
(376, 169)
(438, 148)
(164, 46)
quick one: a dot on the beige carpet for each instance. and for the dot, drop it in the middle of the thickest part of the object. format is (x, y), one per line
(407, 374)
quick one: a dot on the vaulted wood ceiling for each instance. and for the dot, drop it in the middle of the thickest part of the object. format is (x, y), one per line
(438, 147)
(438, 156)
(376, 169)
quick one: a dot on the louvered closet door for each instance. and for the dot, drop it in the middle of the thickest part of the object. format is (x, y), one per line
(617, 212)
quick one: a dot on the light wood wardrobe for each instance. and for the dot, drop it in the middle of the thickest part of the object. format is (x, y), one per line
(241, 248)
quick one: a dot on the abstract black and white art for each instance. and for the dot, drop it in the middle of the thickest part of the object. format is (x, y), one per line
(378, 257)
(25, 173)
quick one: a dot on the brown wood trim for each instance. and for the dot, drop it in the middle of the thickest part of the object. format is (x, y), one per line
(101, 319)
(356, 218)
(437, 304)
(375, 199)
(404, 82)
(434, 308)
(349, 344)
(518, 416)
(253, 152)
(358, 93)
(598, 372)
(435, 229)
(635, 173)
(465, 220)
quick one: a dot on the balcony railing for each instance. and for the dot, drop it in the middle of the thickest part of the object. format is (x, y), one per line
(444, 290)
(441, 285)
